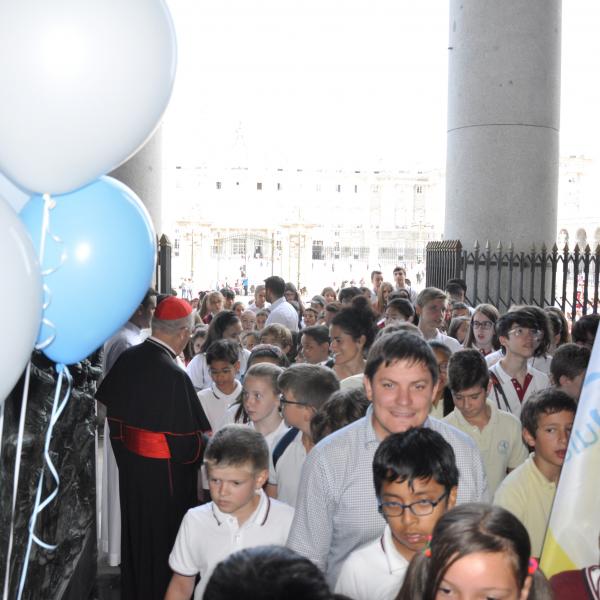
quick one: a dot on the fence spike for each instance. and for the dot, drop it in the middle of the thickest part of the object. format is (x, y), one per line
(476, 245)
(499, 248)
(597, 251)
(555, 248)
(543, 249)
(587, 249)
(532, 249)
(566, 248)
(487, 245)
(576, 250)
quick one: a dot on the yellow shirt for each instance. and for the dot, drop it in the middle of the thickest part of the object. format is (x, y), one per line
(528, 495)
(499, 442)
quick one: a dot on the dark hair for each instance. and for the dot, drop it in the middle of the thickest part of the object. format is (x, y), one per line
(545, 402)
(226, 350)
(435, 345)
(348, 293)
(267, 573)
(199, 332)
(469, 529)
(266, 371)
(220, 322)
(311, 384)
(268, 351)
(527, 316)
(396, 269)
(228, 293)
(400, 346)
(151, 293)
(373, 273)
(333, 307)
(356, 320)
(585, 327)
(402, 294)
(466, 369)
(419, 453)
(276, 284)
(237, 445)
(455, 281)
(403, 326)
(403, 306)
(556, 314)
(319, 333)
(342, 408)
(569, 360)
(491, 312)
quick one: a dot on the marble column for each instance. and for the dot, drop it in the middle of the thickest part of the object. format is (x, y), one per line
(503, 122)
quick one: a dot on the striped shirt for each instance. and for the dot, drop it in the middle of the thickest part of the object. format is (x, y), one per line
(336, 508)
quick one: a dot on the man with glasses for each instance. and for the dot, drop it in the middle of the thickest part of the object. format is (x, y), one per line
(336, 507)
(514, 381)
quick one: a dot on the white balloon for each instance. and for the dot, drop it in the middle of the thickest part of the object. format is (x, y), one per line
(83, 84)
(21, 298)
(15, 196)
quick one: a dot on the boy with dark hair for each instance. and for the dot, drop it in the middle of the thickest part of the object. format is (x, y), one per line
(222, 358)
(514, 381)
(585, 329)
(496, 433)
(416, 481)
(568, 367)
(228, 297)
(403, 284)
(239, 516)
(304, 389)
(314, 344)
(528, 492)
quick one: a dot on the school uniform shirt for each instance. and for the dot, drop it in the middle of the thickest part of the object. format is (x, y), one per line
(493, 357)
(199, 372)
(286, 474)
(506, 397)
(541, 363)
(376, 570)
(437, 412)
(453, 345)
(208, 535)
(215, 403)
(284, 313)
(500, 442)
(528, 495)
(354, 382)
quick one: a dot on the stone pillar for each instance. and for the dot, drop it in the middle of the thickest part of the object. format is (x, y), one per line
(503, 122)
(143, 174)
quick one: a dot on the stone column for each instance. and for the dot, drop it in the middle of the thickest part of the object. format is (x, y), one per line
(503, 122)
(143, 174)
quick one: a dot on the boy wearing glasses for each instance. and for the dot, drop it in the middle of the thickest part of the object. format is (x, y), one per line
(513, 380)
(304, 389)
(416, 480)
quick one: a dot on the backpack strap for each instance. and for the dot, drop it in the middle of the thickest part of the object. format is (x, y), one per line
(283, 443)
(499, 390)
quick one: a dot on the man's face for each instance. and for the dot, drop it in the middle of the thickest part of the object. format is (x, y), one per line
(401, 394)
(400, 278)
(377, 281)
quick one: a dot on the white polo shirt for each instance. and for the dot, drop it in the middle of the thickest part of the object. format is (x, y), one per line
(215, 403)
(284, 313)
(199, 371)
(506, 398)
(453, 345)
(375, 571)
(500, 442)
(207, 536)
(286, 474)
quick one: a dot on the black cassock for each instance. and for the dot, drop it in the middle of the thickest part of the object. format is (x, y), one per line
(156, 426)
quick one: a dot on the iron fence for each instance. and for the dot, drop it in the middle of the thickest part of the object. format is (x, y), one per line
(568, 279)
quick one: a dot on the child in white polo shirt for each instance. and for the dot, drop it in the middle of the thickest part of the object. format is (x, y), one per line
(305, 388)
(522, 335)
(496, 433)
(416, 480)
(240, 515)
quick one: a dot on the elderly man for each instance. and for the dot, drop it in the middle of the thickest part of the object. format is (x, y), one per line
(336, 508)
(156, 425)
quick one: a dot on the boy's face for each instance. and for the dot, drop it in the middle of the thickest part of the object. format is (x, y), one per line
(223, 374)
(313, 352)
(521, 341)
(260, 399)
(432, 313)
(401, 393)
(409, 531)
(572, 387)
(295, 413)
(471, 402)
(551, 438)
(233, 489)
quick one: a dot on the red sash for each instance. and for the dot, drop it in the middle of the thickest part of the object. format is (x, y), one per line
(145, 443)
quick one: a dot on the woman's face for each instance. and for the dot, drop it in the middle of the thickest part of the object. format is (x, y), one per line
(289, 295)
(483, 330)
(329, 297)
(481, 576)
(232, 331)
(215, 305)
(344, 347)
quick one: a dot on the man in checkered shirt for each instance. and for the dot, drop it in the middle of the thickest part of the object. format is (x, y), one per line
(336, 508)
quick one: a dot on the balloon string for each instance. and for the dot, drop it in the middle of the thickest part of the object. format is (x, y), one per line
(18, 454)
(39, 506)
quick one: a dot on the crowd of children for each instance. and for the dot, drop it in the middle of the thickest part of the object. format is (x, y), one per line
(408, 444)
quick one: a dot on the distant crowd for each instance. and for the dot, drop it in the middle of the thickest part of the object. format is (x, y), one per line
(375, 443)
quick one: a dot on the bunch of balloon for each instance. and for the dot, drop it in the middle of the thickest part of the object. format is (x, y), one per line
(85, 87)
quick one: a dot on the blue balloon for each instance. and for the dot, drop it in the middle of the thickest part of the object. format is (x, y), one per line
(99, 258)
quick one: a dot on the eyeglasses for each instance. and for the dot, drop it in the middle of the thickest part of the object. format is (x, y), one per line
(536, 334)
(283, 400)
(420, 508)
(482, 325)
